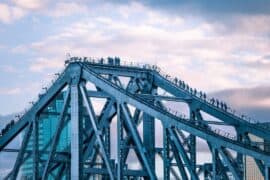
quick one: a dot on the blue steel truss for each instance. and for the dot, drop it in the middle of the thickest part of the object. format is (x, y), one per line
(134, 103)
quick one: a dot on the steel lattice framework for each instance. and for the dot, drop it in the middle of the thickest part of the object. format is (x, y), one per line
(133, 100)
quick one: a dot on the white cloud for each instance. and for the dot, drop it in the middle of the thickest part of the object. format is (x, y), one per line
(10, 13)
(198, 52)
(31, 4)
(263, 102)
(20, 8)
(10, 91)
(19, 49)
(42, 64)
(62, 9)
(8, 69)
(257, 97)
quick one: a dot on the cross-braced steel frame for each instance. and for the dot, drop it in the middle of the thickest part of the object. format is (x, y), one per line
(133, 107)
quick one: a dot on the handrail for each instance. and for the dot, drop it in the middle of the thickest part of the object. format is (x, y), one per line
(215, 132)
(199, 95)
(19, 116)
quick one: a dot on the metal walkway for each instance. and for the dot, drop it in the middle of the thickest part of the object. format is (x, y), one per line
(132, 96)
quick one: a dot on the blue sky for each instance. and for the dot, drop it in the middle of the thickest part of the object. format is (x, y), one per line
(221, 47)
(213, 46)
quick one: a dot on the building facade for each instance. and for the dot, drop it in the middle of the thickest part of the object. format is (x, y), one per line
(48, 122)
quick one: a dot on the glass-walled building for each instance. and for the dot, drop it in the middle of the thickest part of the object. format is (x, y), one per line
(48, 122)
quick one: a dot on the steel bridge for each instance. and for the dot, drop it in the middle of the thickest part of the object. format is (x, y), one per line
(134, 120)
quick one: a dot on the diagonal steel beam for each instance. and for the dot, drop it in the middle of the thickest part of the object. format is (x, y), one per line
(179, 162)
(28, 155)
(137, 140)
(219, 164)
(128, 139)
(108, 112)
(98, 134)
(22, 151)
(229, 162)
(57, 135)
(43, 101)
(219, 113)
(61, 171)
(180, 148)
(174, 173)
(172, 120)
(90, 150)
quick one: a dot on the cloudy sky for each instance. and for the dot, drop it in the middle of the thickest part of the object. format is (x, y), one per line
(214, 46)
(221, 47)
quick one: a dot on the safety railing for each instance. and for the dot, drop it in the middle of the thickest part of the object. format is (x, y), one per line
(202, 96)
(31, 104)
(209, 130)
(212, 102)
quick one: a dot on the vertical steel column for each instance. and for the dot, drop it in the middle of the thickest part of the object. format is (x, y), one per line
(240, 158)
(205, 174)
(149, 127)
(107, 146)
(149, 137)
(267, 172)
(76, 134)
(120, 139)
(166, 154)
(214, 163)
(108, 140)
(192, 141)
(36, 147)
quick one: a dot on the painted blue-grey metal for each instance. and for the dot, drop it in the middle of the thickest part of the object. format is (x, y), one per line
(135, 96)
(14, 172)
(233, 167)
(97, 131)
(76, 133)
(180, 148)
